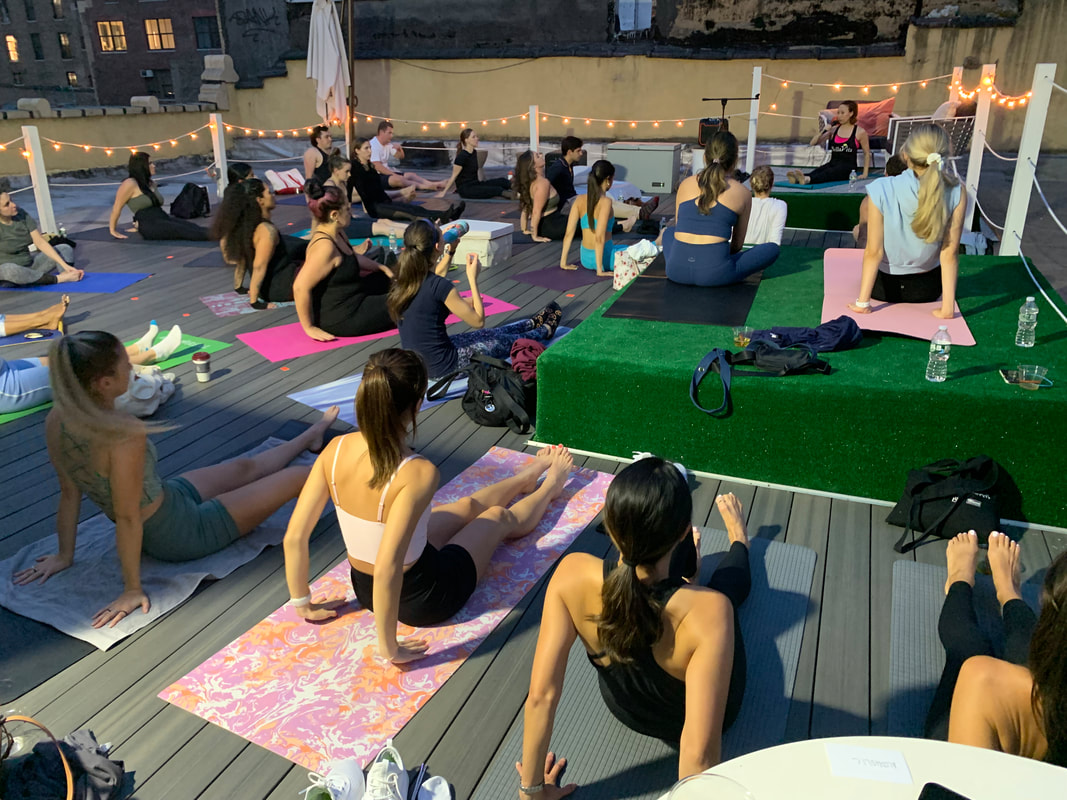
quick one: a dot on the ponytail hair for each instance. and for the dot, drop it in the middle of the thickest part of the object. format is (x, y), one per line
(525, 175)
(720, 159)
(238, 171)
(323, 200)
(928, 146)
(464, 135)
(394, 381)
(600, 172)
(647, 512)
(413, 266)
(1048, 662)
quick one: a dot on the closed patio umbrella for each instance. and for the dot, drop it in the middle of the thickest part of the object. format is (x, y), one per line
(328, 62)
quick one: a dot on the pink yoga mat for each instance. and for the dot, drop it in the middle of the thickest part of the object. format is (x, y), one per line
(841, 282)
(313, 693)
(290, 341)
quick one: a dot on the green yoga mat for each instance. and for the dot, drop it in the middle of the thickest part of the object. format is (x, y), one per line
(618, 385)
(823, 211)
(189, 345)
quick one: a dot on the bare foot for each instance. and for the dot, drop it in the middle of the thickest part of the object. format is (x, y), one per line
(962, 558)
(559, 471)
(69, 276)
(317, 432)
(55, 314)
(1005, 564)
(362, 247)
(532, 473)
(732, 515)
(627, 224)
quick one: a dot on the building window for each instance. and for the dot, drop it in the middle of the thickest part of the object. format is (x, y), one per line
(207, 33)
(72, 79)
(57, 9)
(112, 36)
(159, 83)
(64, 47)
(16, 78)
(160, 34)
(38, 51)
(12, 48)
(31, 11)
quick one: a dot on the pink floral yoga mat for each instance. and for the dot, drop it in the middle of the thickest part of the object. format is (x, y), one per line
(841, 282)
(231, 304)
(290, 341)
(314, 693)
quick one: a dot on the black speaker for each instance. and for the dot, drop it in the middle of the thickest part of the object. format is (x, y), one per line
(709, 126)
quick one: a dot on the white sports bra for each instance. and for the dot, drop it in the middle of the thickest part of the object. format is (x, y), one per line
(363, 537)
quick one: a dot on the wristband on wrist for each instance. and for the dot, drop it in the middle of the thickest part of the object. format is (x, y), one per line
(537, 788)
(862, 304)
(300, 602)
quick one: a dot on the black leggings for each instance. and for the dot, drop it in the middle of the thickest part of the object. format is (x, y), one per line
(918, 287)
(405, 212)
(483, 190)
(156, 224)
(553, 226)
(963, 638)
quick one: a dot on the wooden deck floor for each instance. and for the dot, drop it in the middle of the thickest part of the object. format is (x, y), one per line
(842, 682)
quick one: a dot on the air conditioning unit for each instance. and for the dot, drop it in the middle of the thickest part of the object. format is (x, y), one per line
(147, 73)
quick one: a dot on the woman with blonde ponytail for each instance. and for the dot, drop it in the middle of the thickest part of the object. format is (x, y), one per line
(659, 643)
(712, 211)
(914, 224)
(106, 454)
(410, 563)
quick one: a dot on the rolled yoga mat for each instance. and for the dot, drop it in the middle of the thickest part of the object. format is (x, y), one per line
(91, 282)
(314, 693)
(607, 760)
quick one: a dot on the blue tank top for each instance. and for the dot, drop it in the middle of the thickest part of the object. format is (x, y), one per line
(719, 221)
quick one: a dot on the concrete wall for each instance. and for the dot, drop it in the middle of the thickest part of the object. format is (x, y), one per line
(257, 33)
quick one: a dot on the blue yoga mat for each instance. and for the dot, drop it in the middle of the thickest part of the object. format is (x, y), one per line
(28, 337)
(93, 282)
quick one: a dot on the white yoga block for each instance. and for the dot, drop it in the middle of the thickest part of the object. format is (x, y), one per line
(491, 241)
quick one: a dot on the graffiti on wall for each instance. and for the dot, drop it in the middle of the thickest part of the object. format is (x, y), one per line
(257, 21)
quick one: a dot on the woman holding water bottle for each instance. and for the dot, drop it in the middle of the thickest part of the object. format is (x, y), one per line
(914, 225)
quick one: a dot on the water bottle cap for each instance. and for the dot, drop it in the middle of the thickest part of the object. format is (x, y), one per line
(942, 327)
(1029, 299)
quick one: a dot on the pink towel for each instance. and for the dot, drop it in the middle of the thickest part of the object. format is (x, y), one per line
(841, 281)
(290, 341)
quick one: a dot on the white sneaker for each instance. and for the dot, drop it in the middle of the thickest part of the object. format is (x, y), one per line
(435, 788)
(169, 344)
(343, 781)
(387, 779)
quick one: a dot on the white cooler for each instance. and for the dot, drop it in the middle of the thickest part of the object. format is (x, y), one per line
(491, 241)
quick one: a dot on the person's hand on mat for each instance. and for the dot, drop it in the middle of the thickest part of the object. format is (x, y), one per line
(318, 612)
(43, 569)
(855, 308)
(940, 313)
(540, 238)
(122, 607)
(319, 335)
(553, 769)
(406, 650)
(568, 266)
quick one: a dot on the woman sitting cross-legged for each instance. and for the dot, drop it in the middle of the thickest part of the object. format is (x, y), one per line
(844, 147)
(140, 194)
(20, 267)
(422, 298)
(338, 292)
(540, 210)
(467, 176)
(914, 225)
(411, 563)
(712, 213)
(107, 455)
(1016, 704)
(668, 653)
(596, 218)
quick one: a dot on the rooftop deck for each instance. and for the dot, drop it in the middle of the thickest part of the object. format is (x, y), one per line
(842, 683)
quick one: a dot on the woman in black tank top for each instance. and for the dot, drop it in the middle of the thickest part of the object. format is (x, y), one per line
(843, 149)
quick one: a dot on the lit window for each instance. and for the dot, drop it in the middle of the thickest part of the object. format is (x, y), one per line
(72, 79)
(160, 34)
(112, 36)
(64, 46)
(57, 9)
(12, 48)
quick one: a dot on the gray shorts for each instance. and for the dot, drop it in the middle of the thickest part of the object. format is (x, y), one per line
(186, 527)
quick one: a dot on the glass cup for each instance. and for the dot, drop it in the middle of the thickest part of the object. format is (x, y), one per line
(1032, 376)
(742, 336)
(708, 786)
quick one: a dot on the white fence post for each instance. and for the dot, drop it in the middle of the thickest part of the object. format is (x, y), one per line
(218, 145)
(535, 127)
(978, 137)
(753, 119)
(46, 217)
(1025, 167)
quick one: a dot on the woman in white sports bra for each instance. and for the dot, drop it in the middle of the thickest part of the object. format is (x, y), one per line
(410, 562)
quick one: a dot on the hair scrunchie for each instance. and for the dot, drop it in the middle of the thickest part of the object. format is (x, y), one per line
(631, 564)
(933, 158)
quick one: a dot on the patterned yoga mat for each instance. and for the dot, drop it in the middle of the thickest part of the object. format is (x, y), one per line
(314, 693)
(230, 304)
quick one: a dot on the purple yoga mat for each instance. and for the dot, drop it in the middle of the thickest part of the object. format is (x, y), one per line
(290, 341)
(558, 279)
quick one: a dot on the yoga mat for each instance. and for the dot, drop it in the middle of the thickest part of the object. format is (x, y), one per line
(342, 391)
(608, 760)
(841, 280)
(188, 346)
(104, 235)
(649, 297)
(313, 693)
(68, 599)
(98, 282)
(560, 280)
(33, 653)
(916, 653)
(291, 199)
(376, 241)
(13, 415)
(231, 304)
(809, 186)
(290, 341)
(212, 259)
(29, 337)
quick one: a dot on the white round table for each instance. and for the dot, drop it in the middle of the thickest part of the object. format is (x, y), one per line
(803, 770)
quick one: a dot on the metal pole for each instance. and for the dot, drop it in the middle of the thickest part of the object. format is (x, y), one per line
(535, 127)
(981, 124)
(218, 147)
(753, 119)
(46, 217)
(1025, 167)
(351, 83)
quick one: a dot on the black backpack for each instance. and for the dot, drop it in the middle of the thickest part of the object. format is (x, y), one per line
(192, 201)
(496, 394)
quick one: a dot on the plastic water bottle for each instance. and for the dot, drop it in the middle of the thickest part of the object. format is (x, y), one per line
(852, 180)
(392, 244)
(1024, 337)
(940, 345)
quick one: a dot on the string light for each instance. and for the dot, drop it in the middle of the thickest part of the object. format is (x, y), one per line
(774, 106)
(108, 151)
(894, 88)
(566, 121)
(837, 85)
(611, 123)
(785, 84)
(55, 146)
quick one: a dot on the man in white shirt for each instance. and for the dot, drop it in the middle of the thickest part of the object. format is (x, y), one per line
(766, 221)
(382, 150)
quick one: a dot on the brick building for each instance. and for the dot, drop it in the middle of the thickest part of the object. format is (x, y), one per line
(149, 47)
(43, 53)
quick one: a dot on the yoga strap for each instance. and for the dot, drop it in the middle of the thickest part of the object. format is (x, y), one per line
(715, 361)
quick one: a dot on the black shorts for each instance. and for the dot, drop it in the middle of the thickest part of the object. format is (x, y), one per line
(918, 287)
(435, 588)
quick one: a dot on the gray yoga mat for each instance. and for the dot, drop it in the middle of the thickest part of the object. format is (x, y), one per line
(104, 235)
(608, 760)
(916, 656)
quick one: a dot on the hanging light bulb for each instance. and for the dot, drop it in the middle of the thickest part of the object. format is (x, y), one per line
(679, 123)
(922, 84)
(655, 124)
(173, 142)
(633, 124)
(785, 84)
(544, 118)
(155, 146)
(55, 145)
(1022, 101)
(503, 120)
(611, 123)
(524, 116)
(229, 128)
(426, 127)
(837, 87)
(192, 135)
(485, 122)
(588, 122)
(894, 87)
(866, 90)
(774, 106)
(85, 147)
(566, 121)
(108, 151)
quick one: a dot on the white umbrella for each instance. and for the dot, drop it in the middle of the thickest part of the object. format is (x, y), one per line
(328, 62)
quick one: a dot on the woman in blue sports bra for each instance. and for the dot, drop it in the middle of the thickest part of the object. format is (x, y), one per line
(596, 218)
(410, 562)
(704, 246)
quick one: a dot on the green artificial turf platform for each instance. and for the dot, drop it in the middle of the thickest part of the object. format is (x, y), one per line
(614, 386)
(824, 211)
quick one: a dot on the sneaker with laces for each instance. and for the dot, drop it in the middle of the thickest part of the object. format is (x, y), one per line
(343, 781)
(387, 779)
